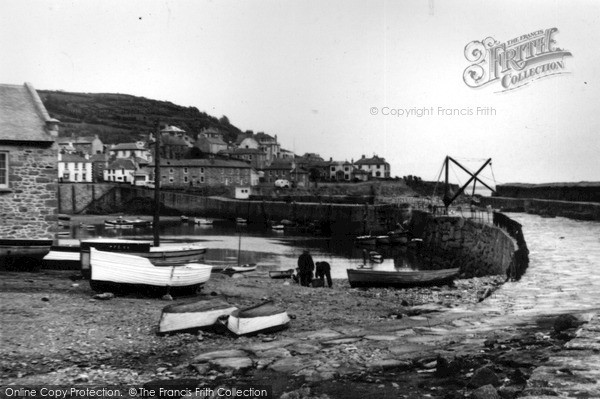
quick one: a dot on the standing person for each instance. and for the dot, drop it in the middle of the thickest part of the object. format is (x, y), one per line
(324, 271)
(306, 266)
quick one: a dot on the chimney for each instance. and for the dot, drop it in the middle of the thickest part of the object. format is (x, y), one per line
(363, 157)
(52, 127)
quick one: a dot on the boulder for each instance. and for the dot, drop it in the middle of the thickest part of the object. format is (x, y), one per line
(105, 296)
(484, 376)
(565, 322)
(485, 392)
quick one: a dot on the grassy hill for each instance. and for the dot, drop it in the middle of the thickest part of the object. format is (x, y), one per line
(118, 118)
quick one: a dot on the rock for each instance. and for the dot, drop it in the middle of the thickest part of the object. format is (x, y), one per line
(82, 378)
(304, 349)
(565, 322)
(235, 363)
(289, 365)
(381, 337)
(509, 392)
(167, 297)
(238, 276)
(75, 285)
(341, 341)
(45, 299)
(201, 368)
(105, 296)
(489, 343)
(485, 392)
(205, 357)
(389, 364)
(263, 346)
(273, 353)
(484, 376)
(442, 367)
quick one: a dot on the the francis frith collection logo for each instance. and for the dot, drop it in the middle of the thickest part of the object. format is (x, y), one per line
(514, 63)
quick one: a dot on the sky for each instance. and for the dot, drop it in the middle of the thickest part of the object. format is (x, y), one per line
(334, 77)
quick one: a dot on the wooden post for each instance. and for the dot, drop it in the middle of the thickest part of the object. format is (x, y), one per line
(156, 220)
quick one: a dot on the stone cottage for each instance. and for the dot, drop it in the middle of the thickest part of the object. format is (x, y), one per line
(28, 165)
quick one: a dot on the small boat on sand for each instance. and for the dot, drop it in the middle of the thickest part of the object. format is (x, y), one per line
(193, 315)
(22, 254)
(281, 274)
(383, 240)
(375, 256)
(123, 272)
(63, 257)
(399, 278)
(248, 267)
(262, 318)
(241, 220)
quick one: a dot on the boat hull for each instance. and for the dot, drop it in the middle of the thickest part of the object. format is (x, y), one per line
(23, 254)
(63, 257)
(258, 319)
(409, 278)
(281, 274)
(187, 317)
(124, 272)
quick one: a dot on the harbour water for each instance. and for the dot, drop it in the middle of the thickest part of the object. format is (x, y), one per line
(564, 253)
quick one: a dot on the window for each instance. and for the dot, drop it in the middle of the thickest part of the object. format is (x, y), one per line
(171, 171)
(201, 179)
(185, 170)
(185, 179)
(201, 170)
(333, 168)
(171, 180)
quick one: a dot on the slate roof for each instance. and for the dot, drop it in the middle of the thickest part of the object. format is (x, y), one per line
(127, 146)
(22, 115)
(73, 158)
(374, 160)
(122, 163)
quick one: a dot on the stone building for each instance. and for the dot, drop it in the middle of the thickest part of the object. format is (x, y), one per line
(28, 165)
(283, 169)
(376, 166)
(74, 168)
(178, 173)
(84, 145)
(253, 156)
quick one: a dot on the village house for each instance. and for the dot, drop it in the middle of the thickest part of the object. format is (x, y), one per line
(138, 150)
(287, 170)
(84, 145)
(28, 165)
(74, 168)
(212, 144)
(99, 164)
(183, 173)
(121, 170)
(174, 143)
(341, 171)
(269, 145)
(375, 166)
(253, 156)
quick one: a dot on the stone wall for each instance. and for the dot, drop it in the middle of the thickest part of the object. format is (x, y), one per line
(568, 209)
(578, 192)
(29, 206)
(76, 197)
(478, 249)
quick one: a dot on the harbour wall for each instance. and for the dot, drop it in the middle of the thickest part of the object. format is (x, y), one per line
(479, 249)
(578, 192)
(568, 209)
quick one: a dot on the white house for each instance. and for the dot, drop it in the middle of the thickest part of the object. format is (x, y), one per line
(375, 166)
(74, 168)
(127, 150)
(121, 170)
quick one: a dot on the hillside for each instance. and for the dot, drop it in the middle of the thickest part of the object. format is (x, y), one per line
(118, 118)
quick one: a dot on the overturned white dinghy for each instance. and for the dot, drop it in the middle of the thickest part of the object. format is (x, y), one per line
(262, 318)
(124, 272)
(193, 315)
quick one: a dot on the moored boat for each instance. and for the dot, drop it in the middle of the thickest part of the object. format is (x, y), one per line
(398, 237)
(366, 240)
(127, 224)
(203, 221)
(124, 272)
(281, 274)
(278, 227)
(375, 256)
(382, 240)
(399, 278)
(241, 221)
(193, 315)
(262, 318)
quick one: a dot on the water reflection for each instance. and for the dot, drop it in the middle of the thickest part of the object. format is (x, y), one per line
(229, 243)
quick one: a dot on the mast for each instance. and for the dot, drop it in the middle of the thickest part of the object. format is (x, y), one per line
(156, 220)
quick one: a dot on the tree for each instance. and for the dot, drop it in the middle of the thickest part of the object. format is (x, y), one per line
(224, 120)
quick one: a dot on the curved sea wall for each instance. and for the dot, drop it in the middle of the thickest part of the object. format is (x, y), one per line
(479, 249)
(568, 209)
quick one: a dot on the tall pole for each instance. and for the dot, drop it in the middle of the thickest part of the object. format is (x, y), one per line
(156, 220)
